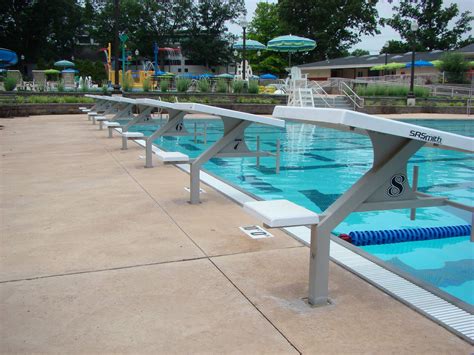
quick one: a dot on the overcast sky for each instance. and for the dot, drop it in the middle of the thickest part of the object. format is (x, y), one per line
(371, 43)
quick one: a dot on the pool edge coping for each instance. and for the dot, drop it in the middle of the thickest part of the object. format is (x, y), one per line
(240, 196)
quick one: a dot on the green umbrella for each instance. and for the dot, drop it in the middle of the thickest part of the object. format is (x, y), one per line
(291, 44)
(379, 67)
(395, 65)
(225, 76)
(64, 63)
(437, 63)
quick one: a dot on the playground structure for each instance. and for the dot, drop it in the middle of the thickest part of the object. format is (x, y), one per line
(149, 69)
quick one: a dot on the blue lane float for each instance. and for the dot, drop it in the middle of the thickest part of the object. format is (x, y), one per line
(404, 235)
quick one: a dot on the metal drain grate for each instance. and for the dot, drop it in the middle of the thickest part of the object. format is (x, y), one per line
(444, 313)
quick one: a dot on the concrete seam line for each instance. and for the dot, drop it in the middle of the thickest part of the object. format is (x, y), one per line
(255, 306)
(155, 201)
(103, 270)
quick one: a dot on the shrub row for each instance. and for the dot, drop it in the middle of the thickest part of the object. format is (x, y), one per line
(390, 90)
(49, 100)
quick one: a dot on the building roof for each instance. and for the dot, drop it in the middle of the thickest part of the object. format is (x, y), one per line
(468, 49)
(367, 61)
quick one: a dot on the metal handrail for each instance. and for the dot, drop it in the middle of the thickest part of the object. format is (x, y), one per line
(451, 91)
(468, 106)
(348, 92)
(320, 93)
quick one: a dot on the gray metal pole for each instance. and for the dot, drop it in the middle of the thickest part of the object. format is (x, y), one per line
(277, 163)
(414, 188)
(258, 151)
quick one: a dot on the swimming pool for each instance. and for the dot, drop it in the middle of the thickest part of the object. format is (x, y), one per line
(318, 165)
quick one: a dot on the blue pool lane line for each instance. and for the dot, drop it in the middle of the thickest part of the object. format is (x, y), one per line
(362, 238)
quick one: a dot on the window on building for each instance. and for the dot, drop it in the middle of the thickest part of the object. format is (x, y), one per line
(179, 70)
(185, 70)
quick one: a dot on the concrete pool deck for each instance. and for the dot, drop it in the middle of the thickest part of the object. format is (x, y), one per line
(99, 254)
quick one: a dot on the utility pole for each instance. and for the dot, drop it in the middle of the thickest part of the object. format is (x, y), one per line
(116, 43)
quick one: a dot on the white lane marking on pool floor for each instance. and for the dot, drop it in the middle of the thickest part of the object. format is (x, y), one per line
(437, 309)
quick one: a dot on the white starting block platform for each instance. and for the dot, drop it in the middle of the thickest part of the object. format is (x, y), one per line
(111, 124)
(171, 157)
(385, 186)
(281, 213)
(132, 135)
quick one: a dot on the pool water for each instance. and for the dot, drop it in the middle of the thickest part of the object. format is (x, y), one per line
(319, 164)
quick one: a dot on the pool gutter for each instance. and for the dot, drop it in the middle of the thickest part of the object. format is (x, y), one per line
(435, 304)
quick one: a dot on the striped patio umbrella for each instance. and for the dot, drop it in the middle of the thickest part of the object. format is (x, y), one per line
(291, 44)
(64, 63)
(250, 45)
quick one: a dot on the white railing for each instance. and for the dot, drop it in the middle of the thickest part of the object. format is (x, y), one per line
(347, 91)
(451, 91)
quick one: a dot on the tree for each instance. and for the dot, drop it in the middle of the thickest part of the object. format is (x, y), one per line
(400, 47)
(265, 24)
(264, 27)
(41, 28)
(360, 52)
(207, 40)
(433, 21)
(454, 66)
(336, 25)
(271, 64)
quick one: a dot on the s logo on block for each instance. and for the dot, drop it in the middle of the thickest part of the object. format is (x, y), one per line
(396, 185)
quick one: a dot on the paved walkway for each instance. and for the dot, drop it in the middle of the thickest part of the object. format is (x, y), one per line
(99, 254)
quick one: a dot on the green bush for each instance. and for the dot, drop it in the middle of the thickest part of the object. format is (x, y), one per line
(104, 87)
(9, 84)
(203, 85)
(183, 84)
(253, 87)
(55, 99)
(164, 85)
(146, 84)
(127, 84)
(61, 86)
(455, 66)
(390, 90)
(221, 86)
(238, 86)
(256, 100)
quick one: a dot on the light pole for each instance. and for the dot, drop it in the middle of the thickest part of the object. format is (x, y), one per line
(243, 23)
(411, 101)
(386, 59)
(22, 65)
(236, 56)
(116, 43)
(123, 38)
(137, 53)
